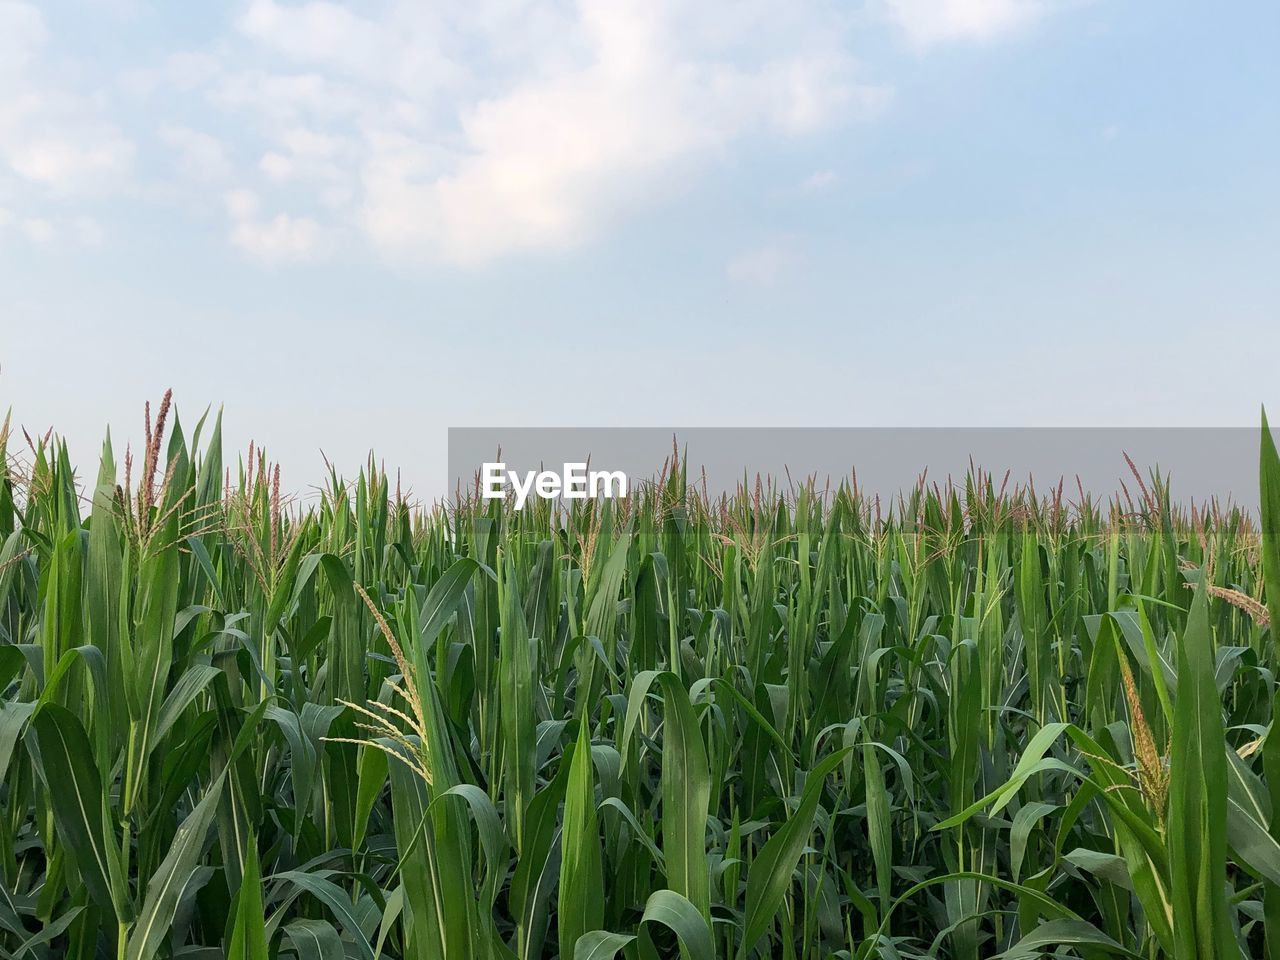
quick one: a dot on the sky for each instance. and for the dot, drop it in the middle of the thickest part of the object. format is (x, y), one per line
(354, 226)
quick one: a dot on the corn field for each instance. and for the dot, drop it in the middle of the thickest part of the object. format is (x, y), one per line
(792, 723)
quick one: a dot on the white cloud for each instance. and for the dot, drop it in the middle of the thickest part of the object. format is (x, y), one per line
(820, 180)
(476, 134)
(201, 157)
(281, 238)
(453, 133)
(930, 22)
(118, 8)
(22, 34)
(59, 148)
(276, 239)
(69, 161)
(182, 72)
(88, 231)
(51, 136)
(765, 265)
(277, 166)
(80, 231)
(279, 98)
(54, 232)
(303, 155)
(242, 204)
(320, 32)
(39, 230)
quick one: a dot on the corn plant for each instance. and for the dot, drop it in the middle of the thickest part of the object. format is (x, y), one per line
(793, 722)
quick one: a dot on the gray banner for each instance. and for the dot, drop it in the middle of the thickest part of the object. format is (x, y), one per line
(1203, 464)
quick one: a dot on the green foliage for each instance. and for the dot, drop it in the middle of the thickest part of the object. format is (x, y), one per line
(778, 725)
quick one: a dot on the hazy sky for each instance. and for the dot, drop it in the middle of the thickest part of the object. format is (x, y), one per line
(358, 225)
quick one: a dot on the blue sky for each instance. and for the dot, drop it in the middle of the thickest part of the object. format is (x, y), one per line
(358, 225)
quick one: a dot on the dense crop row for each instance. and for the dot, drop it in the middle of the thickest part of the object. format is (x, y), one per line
(787, 725)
